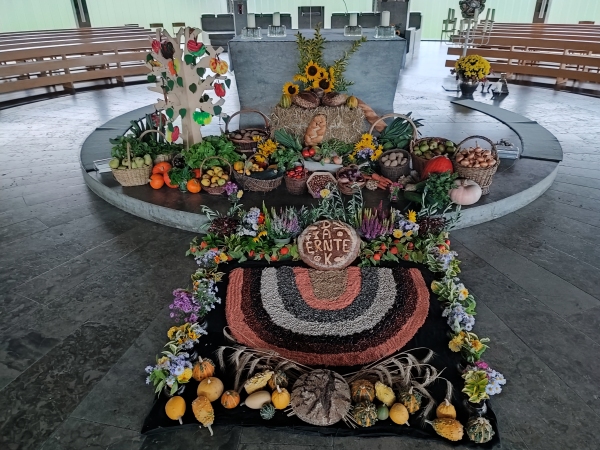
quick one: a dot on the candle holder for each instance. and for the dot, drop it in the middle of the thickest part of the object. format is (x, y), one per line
(276, 31)
(382, 32)
(251, 33)
(353, 30)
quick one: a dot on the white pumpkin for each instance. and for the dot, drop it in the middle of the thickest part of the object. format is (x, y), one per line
(258, 399)
(467, 192)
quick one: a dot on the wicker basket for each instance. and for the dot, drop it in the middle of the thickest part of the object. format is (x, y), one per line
(393, 173)
(315, 184)
(219, 189)
(418, 162)
(132, 177)
(161, 157)
(296, 186)
(483, 177)
(406, 170)
(348, 188)
(247, 146)
(250, 183)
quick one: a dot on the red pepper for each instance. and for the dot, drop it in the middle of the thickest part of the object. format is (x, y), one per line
(155, 46)
(219, 90)
(175, 134)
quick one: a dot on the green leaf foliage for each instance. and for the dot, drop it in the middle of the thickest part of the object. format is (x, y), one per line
(209, 147)
(193, 88)
(151, 78)
(189, 59)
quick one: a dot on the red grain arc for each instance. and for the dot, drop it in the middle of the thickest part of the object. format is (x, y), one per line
(353, 282)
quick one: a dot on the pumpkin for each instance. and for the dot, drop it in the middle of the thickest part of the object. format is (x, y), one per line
(161, 167)
(168, 180)
(362, 390)
(211, 388)
(280, 379)
(480, 430)
(238, 165)
(383, 412)
(204, 412)
(280, 398)
(157, 181)
(412, 401)
(230, 399)
(267, 411)
(258, 381)
(203, 368)
(352, 102)
(466, 192)
(439, 164)
(175, 408)
(399, 414)
(450, 429)
(286, 101)
(258, 399)
(385, 394)
(445, 410)
(193, 186)
(365, 414)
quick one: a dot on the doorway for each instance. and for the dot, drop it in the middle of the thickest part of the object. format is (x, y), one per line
(541, 11)
(81, 13)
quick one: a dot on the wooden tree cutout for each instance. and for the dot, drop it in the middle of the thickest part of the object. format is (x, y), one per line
(183, 77)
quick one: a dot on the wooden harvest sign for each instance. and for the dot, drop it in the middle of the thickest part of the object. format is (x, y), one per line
(328, 245)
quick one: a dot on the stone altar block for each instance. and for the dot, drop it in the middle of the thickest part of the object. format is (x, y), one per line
(262, 67)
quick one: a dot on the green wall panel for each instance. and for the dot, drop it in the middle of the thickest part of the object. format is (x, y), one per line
(25, 15)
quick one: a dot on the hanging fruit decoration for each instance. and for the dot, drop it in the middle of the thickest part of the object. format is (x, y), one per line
(167, 50)
(219, 66)
(155, 46)
(220, 89)
(196, 48)
(202, 117)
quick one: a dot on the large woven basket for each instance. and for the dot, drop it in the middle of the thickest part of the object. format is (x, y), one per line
(161, 157)
(296, 186)
(250, 183)
(393, 173)
(406, 170)
(418, 162)
(219, 189)
(247, 146)
(348, 188)
(319, 180)
(483, 177)
(132, 177)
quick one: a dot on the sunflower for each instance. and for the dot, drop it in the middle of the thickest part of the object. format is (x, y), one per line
(323, 83)
(301, 78)
(291, 88)
(322, 73)
(311, 70)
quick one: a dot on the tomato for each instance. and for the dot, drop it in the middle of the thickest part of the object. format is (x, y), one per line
(442, 247)
(377, 256)
(193, 250)
(305, 154)
(284, 250)
(203, 244)
(251, 253)
(274, 258)
(229, 257)
(447, 242)
(197, 173)
(383, 247)
(410, 246)
(396, 241)
(394, 250)
(406, 257)
(312, 151)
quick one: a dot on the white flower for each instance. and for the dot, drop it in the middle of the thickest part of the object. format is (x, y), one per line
(147, 380)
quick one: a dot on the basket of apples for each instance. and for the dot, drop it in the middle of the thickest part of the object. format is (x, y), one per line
(295, 179)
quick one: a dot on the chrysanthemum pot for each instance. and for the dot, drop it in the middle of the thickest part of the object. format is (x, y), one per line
(468, 87)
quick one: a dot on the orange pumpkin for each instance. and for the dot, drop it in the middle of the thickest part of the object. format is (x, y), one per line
(162, 167)
(157, 181)
(168, 180)
(193, 186)
(203, 368)
(438, 164)
(230, 399)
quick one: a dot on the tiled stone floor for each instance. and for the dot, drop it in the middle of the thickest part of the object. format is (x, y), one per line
(84, 286)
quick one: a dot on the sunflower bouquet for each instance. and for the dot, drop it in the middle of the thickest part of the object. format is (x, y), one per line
(472, 67)
(366, 151)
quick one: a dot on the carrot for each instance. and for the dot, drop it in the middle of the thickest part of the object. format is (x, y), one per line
(382, 186)
(376, 177)
(366, 176)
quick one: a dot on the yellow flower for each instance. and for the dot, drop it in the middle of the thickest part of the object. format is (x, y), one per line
(435, 286)
(323, 83)
(291, 88)
(240, 193)
(223, 257)
(332, 75)
(257, 138)
(324, 193)
(267, 148)
(301, 78)
(409, 233)
(172, 332)
(311, 70)
(162, 360)
(444, 250)
(375, 156)
(259, 235)
(411, 216)
(397, 234)
(455, 344)
(185, 376)
(463, 293)
(259, 158)
(477, 345)
(322, 73)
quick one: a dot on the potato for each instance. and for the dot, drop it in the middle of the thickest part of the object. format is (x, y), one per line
(394, 163)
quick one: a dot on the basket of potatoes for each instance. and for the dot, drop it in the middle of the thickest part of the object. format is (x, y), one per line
(245, 139)
(476, 163)
(214, 179)
(394, 163)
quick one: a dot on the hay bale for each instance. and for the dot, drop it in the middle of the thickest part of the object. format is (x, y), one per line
(343, 123)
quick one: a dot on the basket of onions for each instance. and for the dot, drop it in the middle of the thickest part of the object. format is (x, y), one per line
(476, 163)
(350, 179)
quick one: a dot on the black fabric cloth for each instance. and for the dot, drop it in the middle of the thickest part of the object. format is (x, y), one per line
(434, 335)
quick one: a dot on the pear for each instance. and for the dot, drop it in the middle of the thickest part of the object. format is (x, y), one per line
(114, 163)
(139, 162)
(133, 165)
(147, 160)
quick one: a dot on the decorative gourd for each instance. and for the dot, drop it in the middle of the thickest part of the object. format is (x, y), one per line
(383, 412)
(157, 181)
(365, 414)
(203, 368)
(480, 430)
(204, 412)
(258, 381)
(450, 429)
(280, 379)
(411, 400)
(258, 399)
(466, 192)
(362, 391)
(211, 388)
(385, 394)
(352, 102)
(280, 398)
(286, 101)
(399, 414)
(193, 186)
(267, 412)
(175, 408)
(230, 399)
(445, 410)
(439, 164)
(161, 167)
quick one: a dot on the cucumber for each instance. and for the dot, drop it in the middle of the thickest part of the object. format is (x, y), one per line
(413, 196)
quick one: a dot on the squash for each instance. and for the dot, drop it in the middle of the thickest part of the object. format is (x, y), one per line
(280, 379)
(439, 164)
(365, 414)
(480, 430)
(238, 165)
(280, 398)
(383, 412)
(193, 186)
(352, 102)
(385, 394)
(267, 411)
(399, 414)
(411, 400)
(362, 390)
(168, 181)
(450, 429)
(230, 399)
(175, 408)
(203, 368)
(258, 399)
(204, 412)
(211, 388)
(258, 381)
(161, 167)
(286, 101)
(445, 410)
(157, 181)
(466, 192)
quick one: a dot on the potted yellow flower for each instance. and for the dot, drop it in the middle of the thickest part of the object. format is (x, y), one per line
(471, 70)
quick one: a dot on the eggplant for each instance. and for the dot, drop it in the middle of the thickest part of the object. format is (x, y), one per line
(179, 161)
